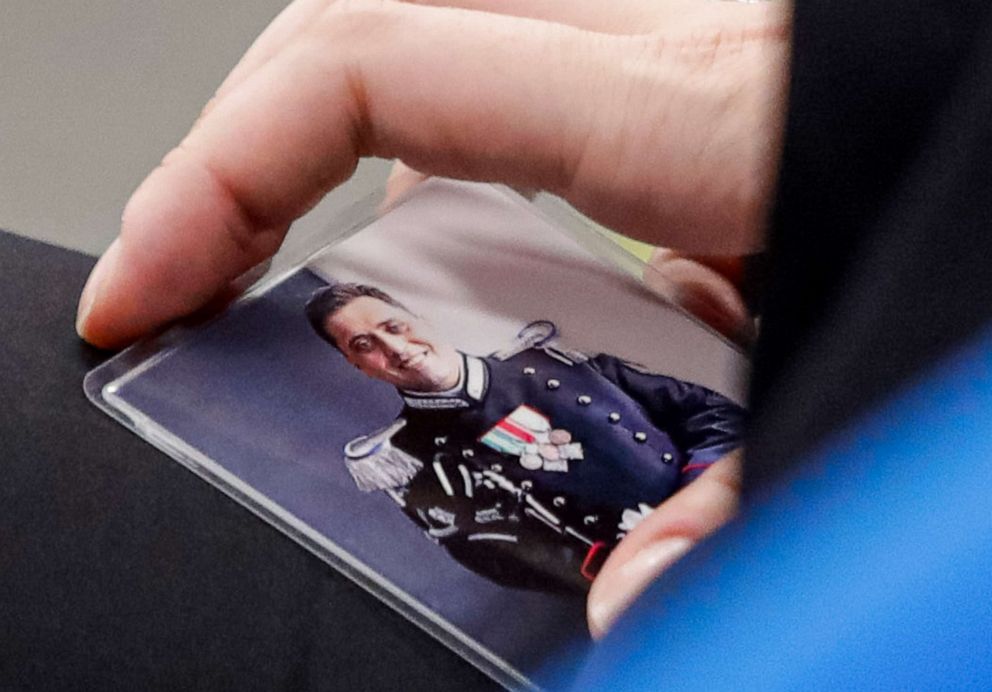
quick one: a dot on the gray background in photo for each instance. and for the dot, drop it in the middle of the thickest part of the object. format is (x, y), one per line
(93, 94)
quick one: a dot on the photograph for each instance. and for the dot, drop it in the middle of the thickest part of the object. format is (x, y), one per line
(460, 406)
(458, 345)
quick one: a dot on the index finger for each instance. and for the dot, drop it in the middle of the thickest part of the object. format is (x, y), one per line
(367, 78)
(623, 127)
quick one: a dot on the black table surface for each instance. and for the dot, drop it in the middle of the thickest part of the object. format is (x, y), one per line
(119, 569)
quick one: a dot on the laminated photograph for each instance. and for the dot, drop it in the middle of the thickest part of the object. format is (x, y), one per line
(460, 406)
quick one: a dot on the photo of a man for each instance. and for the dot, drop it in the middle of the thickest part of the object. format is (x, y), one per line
(529, 464)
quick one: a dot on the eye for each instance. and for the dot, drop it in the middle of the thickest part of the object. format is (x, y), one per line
(362, 344)
(395, 327)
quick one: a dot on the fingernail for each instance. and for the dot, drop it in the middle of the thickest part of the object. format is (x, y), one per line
(631, 579)
(94, 284)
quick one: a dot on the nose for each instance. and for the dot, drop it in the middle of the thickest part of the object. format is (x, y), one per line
(393, 344)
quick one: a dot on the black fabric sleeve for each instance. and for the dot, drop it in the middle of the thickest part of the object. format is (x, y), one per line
(880, 233)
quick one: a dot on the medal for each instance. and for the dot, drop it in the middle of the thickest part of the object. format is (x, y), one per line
(531, 462)
(527, 434)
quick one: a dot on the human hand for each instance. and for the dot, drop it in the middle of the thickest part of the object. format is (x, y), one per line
(707, 287)
(663, 537)
(660, 118)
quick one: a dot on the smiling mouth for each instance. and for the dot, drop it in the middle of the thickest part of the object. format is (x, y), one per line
(413, 361)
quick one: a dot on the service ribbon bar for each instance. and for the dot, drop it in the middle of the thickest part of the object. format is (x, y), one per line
(524, 426)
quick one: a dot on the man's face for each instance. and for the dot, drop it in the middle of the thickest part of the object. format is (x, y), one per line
(388, 343)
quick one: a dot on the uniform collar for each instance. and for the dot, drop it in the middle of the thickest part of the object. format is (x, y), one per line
(470, 390)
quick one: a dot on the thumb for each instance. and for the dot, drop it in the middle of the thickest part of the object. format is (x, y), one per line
(662, 538)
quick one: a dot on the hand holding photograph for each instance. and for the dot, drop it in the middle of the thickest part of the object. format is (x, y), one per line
(460, 406)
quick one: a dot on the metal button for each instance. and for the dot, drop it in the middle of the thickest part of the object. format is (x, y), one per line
(496, 468)
(590, 520)
(614, 417)
(553, 384)
(529, 371)
(468, 453)
(584, 400)
(640, 437)
(526, 485)
(440, 441)
(667, 458)
(558, 501)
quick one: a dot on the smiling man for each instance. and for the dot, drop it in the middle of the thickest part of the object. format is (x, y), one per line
(527, 465)
(385, 341)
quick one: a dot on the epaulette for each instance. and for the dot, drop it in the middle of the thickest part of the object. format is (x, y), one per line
(540, 335)
(534, 335)
(375, 464)
(637, 367)
(565, 355)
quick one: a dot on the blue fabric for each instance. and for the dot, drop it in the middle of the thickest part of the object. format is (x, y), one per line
(875, 579)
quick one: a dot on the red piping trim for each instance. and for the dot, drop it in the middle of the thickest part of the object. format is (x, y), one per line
(593, 550)
(694, 467)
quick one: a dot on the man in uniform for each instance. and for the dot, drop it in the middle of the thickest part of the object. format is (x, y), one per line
(527, 465)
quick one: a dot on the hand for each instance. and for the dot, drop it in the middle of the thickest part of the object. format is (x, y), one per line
(402, 179)
(659, 118)
(663, 537)
(707, 287)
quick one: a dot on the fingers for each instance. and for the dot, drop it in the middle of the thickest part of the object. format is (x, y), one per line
(621, 17)
(289, 24)
(607, 122)
(618, 17)
(401, 180)
(367, 78)
(704, 291)
(627, 17)
(661, 539)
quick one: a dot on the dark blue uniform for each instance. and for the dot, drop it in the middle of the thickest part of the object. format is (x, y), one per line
(533, 468)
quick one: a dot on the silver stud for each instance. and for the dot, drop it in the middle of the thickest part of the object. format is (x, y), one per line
(529, 371)
(526, 485)
(558, 501)
(590, 520)
(640, 437)
(584, 400)
(440, 441)
(553, 384)
(468, 453)
(614, 417)
(496, 468)
(667, 458)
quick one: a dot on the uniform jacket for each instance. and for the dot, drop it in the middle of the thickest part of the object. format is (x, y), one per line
(533, 468)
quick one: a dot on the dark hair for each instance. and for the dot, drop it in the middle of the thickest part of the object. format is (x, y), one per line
(326, 301)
